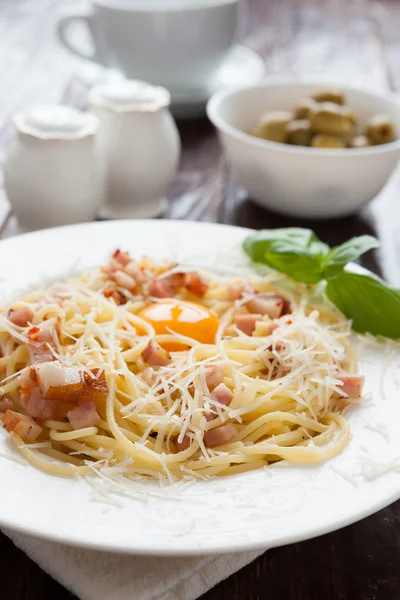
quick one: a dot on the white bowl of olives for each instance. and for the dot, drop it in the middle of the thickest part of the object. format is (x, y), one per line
(308, 150)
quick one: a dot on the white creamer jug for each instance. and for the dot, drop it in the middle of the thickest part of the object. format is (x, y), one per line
(141, 145)
(54, 174)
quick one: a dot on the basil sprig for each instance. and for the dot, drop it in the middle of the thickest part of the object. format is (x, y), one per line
(371, 304)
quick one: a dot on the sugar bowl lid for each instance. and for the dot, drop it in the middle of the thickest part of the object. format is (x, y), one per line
(56, 123)
(130, 96)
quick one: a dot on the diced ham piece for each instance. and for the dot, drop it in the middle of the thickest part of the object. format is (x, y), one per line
(219, 435)
(21, 316)
(222, 394)
(214, 375)
(195, 284)
(266, 304)
(184, 444)
(352, 384)
(85, 415)
(5, 404)
(122, 257)
(247, 323)
(22, 425)
(155, 356)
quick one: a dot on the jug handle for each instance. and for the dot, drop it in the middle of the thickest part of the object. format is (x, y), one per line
(63, 27)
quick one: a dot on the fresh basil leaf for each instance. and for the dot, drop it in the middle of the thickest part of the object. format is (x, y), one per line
(299, 267)
(373, 306)
(294, 251)
(286, 239)
(338, 257)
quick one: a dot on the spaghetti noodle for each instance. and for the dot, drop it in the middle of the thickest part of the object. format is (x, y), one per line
(158, 370)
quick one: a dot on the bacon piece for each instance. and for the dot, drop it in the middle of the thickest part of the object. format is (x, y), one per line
(5, 404)
(247, 323)
(69, 384)
(57, 382)
(115, 295)
(155, 356)
(124, 280)
(219, 435)
(27, 378)
(44, 335)
(266, 304)
(352, 384)
(214, 375)
(85, 415)
(287, 307)
(22, 425)
(236, 289)
(122, 257)
(195, 284)
(135, 271)
(160, 288)
(21, 316)
(42, 338)
(36, 406)
(95, 386)
(184, 444)
(40, 354)
(167, 286)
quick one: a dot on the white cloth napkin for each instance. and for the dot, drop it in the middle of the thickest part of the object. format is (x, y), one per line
(95, 575)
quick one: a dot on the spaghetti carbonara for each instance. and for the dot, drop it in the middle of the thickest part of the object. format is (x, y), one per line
(159, 370)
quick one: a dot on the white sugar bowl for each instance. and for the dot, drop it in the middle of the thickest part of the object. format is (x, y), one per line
(54, 173)
(141, 144)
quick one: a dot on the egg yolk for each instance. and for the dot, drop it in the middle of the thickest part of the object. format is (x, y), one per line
(186, 318)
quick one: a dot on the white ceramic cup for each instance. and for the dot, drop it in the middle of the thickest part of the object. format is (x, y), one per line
(175, 43)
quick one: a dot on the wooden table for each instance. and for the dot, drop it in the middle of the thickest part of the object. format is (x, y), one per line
(335, 40)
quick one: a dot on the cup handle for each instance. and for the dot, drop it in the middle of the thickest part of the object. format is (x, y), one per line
(63, 26)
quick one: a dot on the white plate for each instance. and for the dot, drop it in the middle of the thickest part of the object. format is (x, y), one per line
(261, 509)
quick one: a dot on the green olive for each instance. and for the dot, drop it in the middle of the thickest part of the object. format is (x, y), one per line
(272, 126)
(298, 132)
(380, 129)
(303, 108)
(328, 95)
(349, 114)
(360, 141)
(327, 119)
(327, 140)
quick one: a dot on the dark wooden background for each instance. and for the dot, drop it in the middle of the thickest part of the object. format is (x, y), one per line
(335, 40)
